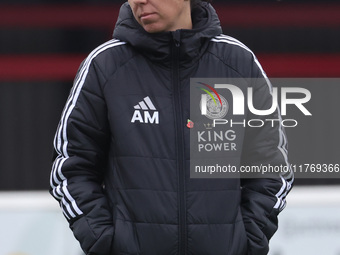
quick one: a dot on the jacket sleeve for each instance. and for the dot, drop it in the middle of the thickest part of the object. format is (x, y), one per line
(80, 151)
(264, 197)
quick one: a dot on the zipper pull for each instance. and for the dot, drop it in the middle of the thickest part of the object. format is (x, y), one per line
(177, 37)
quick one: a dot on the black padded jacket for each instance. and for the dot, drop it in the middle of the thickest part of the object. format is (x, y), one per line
(121, 162)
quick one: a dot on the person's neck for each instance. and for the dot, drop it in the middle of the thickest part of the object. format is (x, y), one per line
(185, 21)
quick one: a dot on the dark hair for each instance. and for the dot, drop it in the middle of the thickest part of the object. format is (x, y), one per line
(193, 3)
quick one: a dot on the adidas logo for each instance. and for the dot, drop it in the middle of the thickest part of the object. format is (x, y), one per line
(143, 112)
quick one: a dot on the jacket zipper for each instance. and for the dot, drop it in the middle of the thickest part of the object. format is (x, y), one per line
(179, 143)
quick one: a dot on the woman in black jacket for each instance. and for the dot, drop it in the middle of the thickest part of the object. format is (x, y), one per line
(122, 148)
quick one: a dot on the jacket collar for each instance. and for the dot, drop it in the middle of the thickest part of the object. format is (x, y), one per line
(157, 46)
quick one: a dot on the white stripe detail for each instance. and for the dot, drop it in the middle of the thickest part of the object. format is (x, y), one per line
(57, 170)
(286, 186)
(68, 208)
(56, 194)
(66, 215)
(71, 199)
(226, 39)
(143, 105)
(75, 94)
(60, 191)
(149, 103)
(280, 203)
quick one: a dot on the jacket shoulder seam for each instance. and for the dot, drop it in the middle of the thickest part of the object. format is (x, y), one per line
(224, 62)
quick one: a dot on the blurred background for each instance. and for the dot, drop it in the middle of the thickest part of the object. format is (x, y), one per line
(42, 43)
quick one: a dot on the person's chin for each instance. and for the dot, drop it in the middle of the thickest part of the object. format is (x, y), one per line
(153, 28)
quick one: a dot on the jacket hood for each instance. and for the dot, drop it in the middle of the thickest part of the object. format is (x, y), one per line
(157, 46)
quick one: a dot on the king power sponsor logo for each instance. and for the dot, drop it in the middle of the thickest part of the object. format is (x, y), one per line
(217, 131)
(145, 112)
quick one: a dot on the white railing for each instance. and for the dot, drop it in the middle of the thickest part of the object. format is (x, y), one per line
(32, 224)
